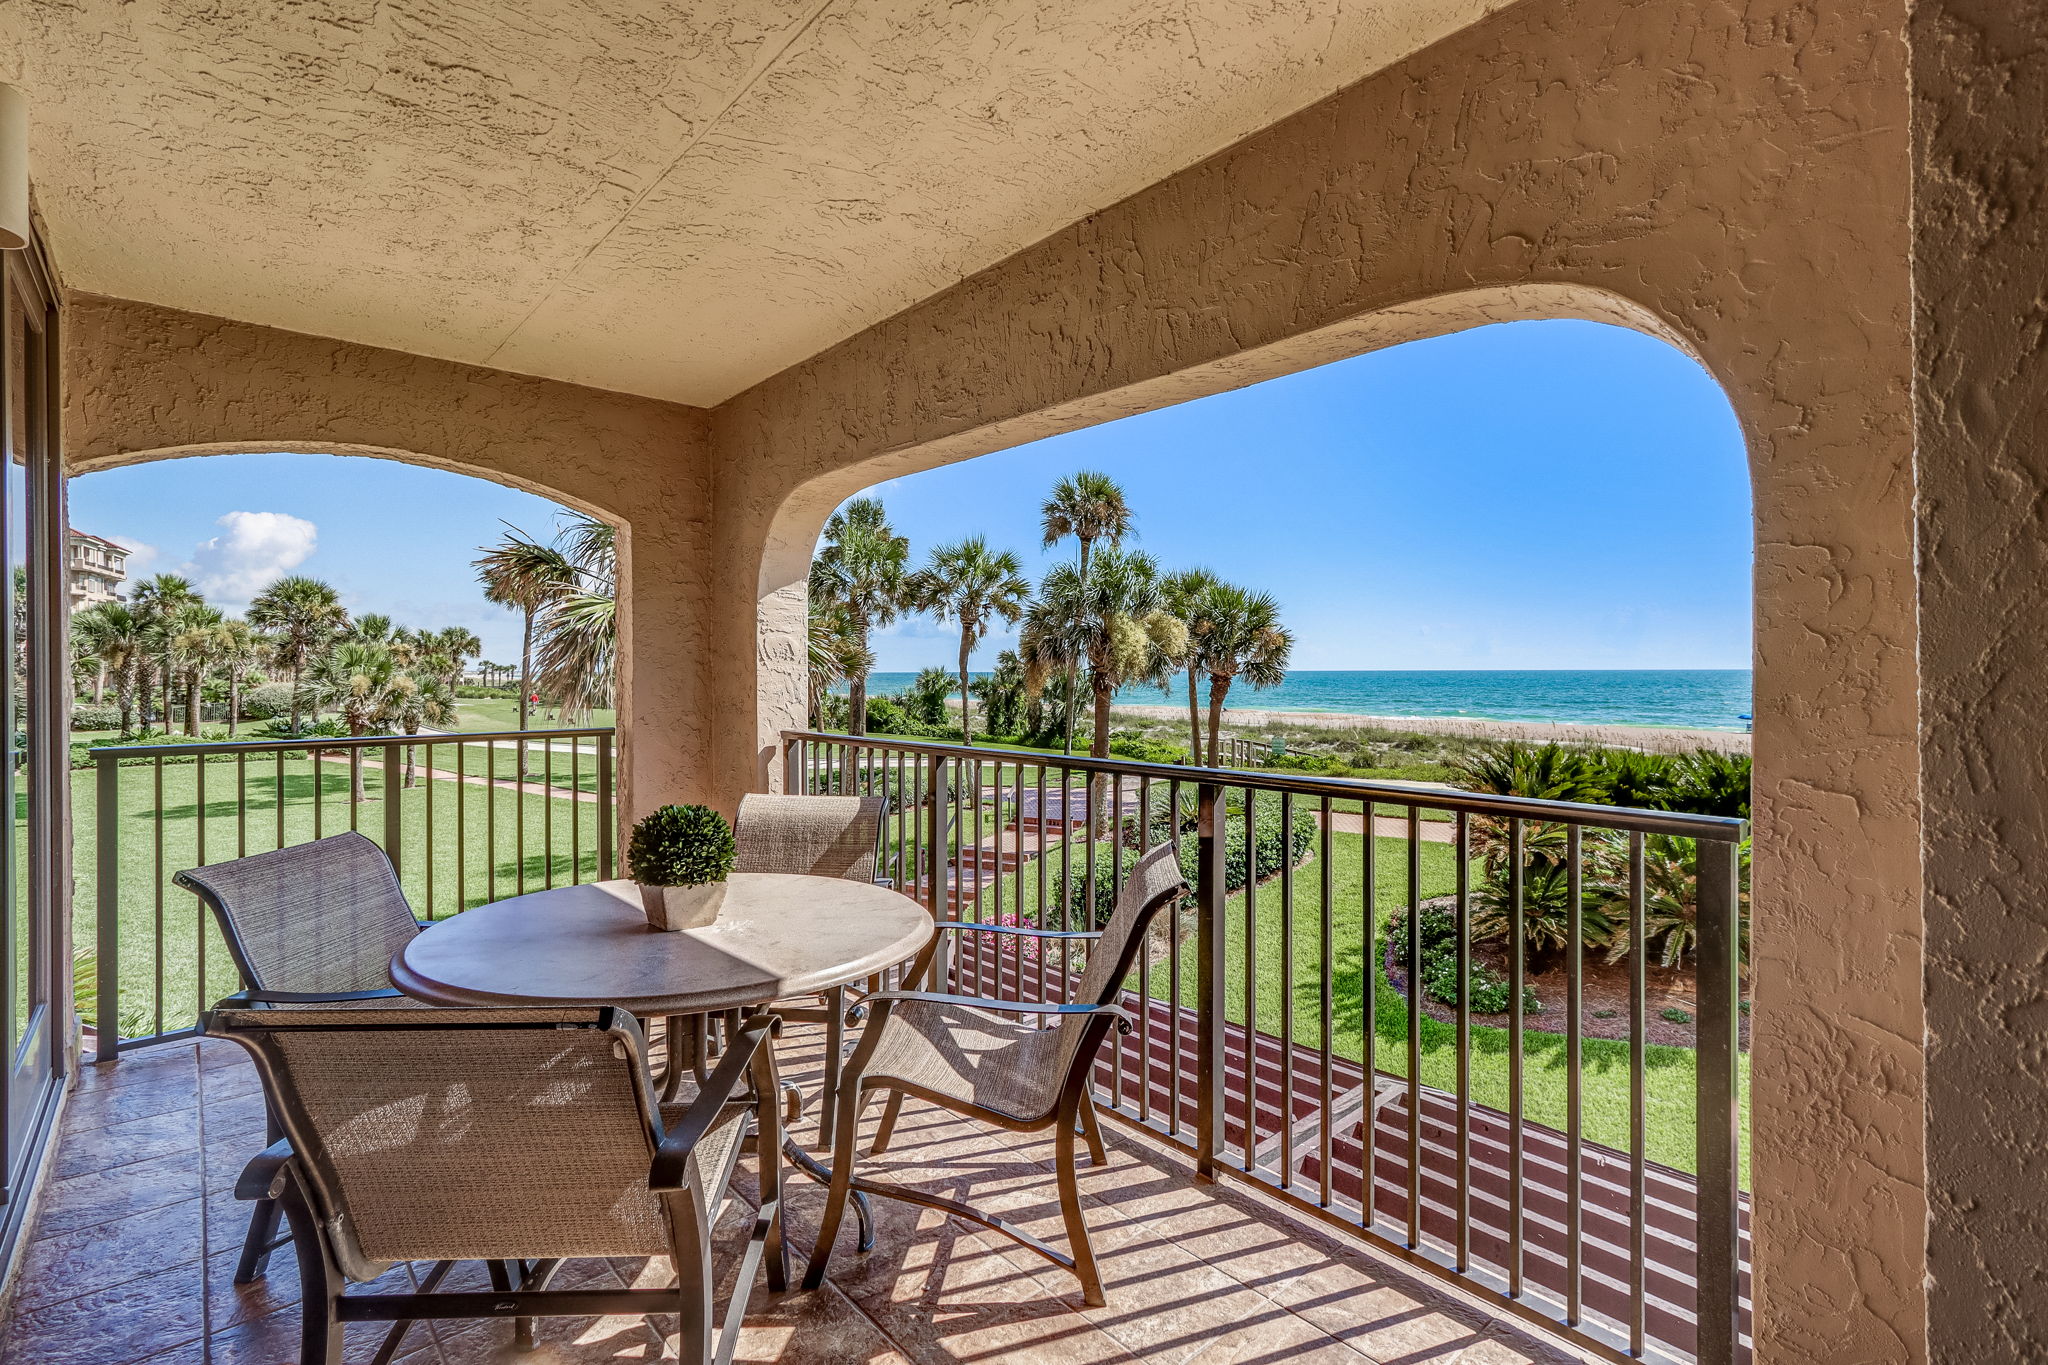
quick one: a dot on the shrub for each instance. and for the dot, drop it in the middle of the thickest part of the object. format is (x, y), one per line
(1269, 853)
(680, 846)
(85, 716)
(1671, 868)
(1143, 750)
(1546, 907)
(1437, 953)
(1675, 1015)
(473, 692)
(267, 702)
(1707, 783)
(924, 701)
(1309, 763)
(887, 716)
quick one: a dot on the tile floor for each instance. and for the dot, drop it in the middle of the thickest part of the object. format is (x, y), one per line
(133, 1252)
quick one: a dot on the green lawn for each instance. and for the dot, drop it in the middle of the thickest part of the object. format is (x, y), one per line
(1289, 971)
(487, 842)
(502, 713)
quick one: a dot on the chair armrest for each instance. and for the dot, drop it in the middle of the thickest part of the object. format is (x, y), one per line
(672, 1154)
(308, 997)
(1122, 1016)
(1015, 929)
(259, 1179)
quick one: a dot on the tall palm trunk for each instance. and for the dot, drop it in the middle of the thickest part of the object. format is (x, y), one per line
(1194, 717)
(124, 694)
(857, 683)
(966, 697)
(164, 672)
(412, 727)
(234, 699)
(1219, 688)
(525, 683)
(99, 686)
(1074, 665)
(296, 666)
(192, 703)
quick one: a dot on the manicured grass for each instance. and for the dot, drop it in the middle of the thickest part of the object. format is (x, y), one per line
(1287, 971)
(502, 713)
(485, 842)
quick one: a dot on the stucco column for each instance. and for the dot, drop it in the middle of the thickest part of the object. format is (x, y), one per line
(1980, 274)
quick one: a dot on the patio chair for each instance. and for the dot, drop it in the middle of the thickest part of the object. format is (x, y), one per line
(519, 1138)
(955, 1052)
(312, 924)
(815, 836)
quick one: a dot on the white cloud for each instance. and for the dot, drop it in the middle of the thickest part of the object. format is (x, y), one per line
(255, 548)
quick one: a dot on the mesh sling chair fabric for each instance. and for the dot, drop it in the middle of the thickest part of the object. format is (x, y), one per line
(314, 923)
(960, 1053)
(813, 836)
(512, 1135)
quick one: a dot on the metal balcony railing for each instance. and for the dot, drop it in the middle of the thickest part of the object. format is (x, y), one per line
(465, 819)
(1284, 1040)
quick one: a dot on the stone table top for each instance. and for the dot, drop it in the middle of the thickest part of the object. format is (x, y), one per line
(776, 935)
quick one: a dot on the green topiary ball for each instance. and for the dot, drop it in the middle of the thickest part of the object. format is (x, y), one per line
(680, 846)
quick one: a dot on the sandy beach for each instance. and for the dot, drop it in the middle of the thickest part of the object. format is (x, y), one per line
(1650, 739)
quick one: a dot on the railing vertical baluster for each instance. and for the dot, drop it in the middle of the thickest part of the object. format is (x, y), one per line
(461, 826)
(394, 807)
(519, 766)
(157, 880)
(199, 860)
(1575, 931)
(1173, 1002)
(1326, 1018)
(1043, 873)
(1464, 1040)
(319, 791)
(607, 818)
(576, 804)
(490, 820)
(935, 876)
(280, 798)
(1717, 1110)
(107, 892)
(1212, 969)
(1116, 856)
(1638, 1110)
(1413, 967)
(1368, 1004)
(1286, 989)
(241, 805)
(1251, 977)
(1144, 1066)
(1517, 845)
(355, 779)
(547, 811)
(427, 800)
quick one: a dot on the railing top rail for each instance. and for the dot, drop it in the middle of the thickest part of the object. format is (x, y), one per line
(247, 746)
(1717, 828)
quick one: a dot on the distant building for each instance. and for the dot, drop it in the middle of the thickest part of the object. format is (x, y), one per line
(95, 567)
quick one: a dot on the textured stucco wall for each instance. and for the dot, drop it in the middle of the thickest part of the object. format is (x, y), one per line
(1980, 86)
(1736, 172)
(146, 383)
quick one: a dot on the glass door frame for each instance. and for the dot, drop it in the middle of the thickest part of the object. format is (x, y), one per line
(35, 1073)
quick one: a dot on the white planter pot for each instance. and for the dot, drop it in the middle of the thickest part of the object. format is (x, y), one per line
(682, 907)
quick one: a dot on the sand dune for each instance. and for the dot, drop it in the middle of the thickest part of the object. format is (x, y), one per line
(1655, 740)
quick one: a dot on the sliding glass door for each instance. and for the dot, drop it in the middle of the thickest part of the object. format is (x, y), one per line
(34, 708)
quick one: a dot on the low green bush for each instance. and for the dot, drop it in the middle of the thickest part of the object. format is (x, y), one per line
(267, 702)
(1142, 750)
(1437, 947)
(474, 692)
(86, 716)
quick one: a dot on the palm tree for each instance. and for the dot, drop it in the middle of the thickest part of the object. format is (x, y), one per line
(421, 696)
(456, 644)
(373, 629)
(861, 571)
(835, 656)
(301, 616)
(155, 601)
(1002, 695)
(116, 637)
(1089, 507)
(195, 647)
(971, 584)
(361, 683)
(1114, 622)
(1245, 640)
(237, 652)
(521, 573)
(1187, 596)
(578, 628)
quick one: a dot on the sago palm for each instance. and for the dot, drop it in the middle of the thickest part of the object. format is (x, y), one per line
(300, 616)
(861, 568)
(1090, 507)
(969, 583)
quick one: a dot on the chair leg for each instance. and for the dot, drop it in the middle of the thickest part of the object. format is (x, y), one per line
(257, 1242)
(835, 1043)
(886, 1129)
(1070, 1209)
(1091, 1128)
(320, 1284)
(842, 1185)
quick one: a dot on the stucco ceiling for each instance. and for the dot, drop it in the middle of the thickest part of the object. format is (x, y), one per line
(668, 199)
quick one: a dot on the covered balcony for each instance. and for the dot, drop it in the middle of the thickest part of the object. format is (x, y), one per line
(705, 273)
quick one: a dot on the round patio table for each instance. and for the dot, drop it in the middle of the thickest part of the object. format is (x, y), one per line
(776, 935)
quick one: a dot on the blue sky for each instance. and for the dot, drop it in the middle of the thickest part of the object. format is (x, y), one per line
(1533, 495)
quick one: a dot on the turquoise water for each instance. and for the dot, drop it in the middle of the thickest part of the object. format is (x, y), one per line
(1691, 698)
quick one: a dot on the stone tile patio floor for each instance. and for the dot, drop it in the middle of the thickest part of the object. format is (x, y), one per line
(132, 1256)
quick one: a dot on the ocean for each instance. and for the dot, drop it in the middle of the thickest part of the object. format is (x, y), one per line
(1685, 698)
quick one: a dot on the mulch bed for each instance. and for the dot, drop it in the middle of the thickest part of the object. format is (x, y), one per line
(1604, 995)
